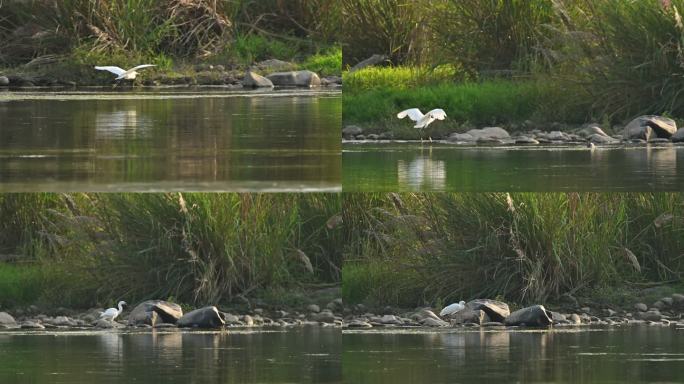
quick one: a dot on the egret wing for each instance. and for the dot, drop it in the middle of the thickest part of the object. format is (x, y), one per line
(414, 114)
(115, 70)
(438, 114)
(141, 67)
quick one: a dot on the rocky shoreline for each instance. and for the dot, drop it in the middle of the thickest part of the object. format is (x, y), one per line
(156, 314)
(647, 129)
(667, 311)
(276, 73)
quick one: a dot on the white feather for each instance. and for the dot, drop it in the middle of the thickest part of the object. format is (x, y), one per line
(421, 120)
(115, 70)
(124, 74)
(452, 308)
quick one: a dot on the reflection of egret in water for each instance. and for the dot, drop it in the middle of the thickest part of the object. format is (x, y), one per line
(111, 345)
(119, 123)
(663, 160)
(422, 172)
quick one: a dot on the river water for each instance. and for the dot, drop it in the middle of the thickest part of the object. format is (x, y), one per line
(631, 354)
(177, 139)
(394, 167)
(301, 355)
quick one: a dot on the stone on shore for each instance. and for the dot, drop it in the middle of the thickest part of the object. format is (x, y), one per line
(601, 139)
(350, 131)
(469, 316)
(592, 129)
(4, 81)
(430, 322)
(641, 307)
(678, 136)
(254, 80)
(6, 320)
(535, 315)
(295, 79)
(150, 311)
(31, 325)
(489, 133)
(649, 126)
(207, 317)
(496, 310)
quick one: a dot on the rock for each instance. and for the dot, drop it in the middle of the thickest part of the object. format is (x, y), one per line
(295, 79)
(390, 319)
(641, 307)
(280, 314)
(231, 319)
(331, 80)
(659, 304)
(460, 137)
(164, 325)
(7, 320)
(313, 308)
(4, 81)
(649, 316)
(31, 325)
(599, 139)
(325, 316)
(525, 140)
(166, 312)
(585, 309)
(489, 133)
(430, 322)
(678, 299)
(372, 136)
(667, 301)
(359, 324)
(467, 315)
(575, 319)
(658, 140)
(424, 314)
(207, 317)
(644, 127)
(495, 310)
(557, 136)
(678, 136)
(350, 131)
(335, 305)
(557, 317)
(63, 321)
(104, 324)
(254, 80)
(535, 315)
(248, 320)
(609, 312)
(591, 130)
(373, 60)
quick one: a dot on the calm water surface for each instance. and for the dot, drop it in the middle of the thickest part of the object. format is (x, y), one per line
(306, 355)
(410, 167)
(635, 354)
(174, 139)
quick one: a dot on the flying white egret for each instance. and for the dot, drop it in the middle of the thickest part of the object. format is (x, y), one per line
(123, 74)
(422, 121)
(111, 313)
(453, 308)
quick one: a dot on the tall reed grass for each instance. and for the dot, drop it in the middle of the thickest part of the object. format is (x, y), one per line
(433, 248)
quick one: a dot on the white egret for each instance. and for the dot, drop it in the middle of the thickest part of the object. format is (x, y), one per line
(452, 308)
(422, 121)
(123, 74)
(111, 313)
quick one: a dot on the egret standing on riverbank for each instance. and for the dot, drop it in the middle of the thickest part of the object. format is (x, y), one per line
(123, 74)
(453, 308)
(422, 121)
(111, 313)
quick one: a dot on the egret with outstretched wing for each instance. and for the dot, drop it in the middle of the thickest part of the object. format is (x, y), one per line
(122, 73)
(421, 120)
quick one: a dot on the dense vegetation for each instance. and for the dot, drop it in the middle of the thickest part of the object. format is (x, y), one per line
(612, 59)
(416, 249)
(81, 249)
(47, 34)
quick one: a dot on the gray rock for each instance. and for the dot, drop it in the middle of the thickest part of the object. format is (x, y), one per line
(659, 304)
(254, 80)
(495, 310)
(359, 324)
(331, 80)
(104, 324)
(295, 79)
(489, 133)
(207, 317)
(649, 316)
(325, 316)
(231, 319)
(609, 312)
(7, 320)
(535, 315)
(557, 317)
(335, 305)
(592, 129)
(667, 301)
(644, 127)
(600, 139)
(391, 319)
(678, 136)
(248, 320)
(350, 131)
(557, 136)
(151, 311)
(31, 325)
(4, 81)
(460, 137)
(575, 319)
(63, 321)
(525, 140)
(424, 314)
(313, 308)
(641, 307)
(659, 140)
(678, 299)
(430, 322)
(469, 316)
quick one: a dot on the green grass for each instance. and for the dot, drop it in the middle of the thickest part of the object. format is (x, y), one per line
(326, 64)
(524, 248)
(20, 285)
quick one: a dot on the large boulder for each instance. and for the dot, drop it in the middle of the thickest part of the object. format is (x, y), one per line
(207, 317)
(254, 80)
(592, 129)
(489, 133)
(7, 321)
(152, 311)
(295, 79)
(534, 316)
(644, 127)
(496, 310)
(469, 316)
(678, 136)
(4, 81)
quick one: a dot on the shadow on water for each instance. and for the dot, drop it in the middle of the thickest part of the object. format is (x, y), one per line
(160, 141)
(615, 355)
(410, 167)
(305, 355)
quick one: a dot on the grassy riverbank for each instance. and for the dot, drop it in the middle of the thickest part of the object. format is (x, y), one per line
(206, 42)
(429, 249)
(507, 62)
(82, 249)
